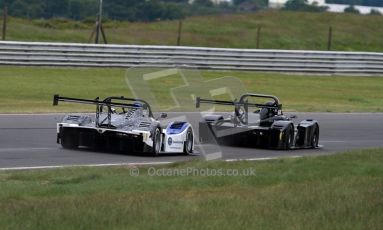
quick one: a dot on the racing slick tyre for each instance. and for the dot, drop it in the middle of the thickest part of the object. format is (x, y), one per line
(289, 138)
(315, 138)
(188, 144)
(156, 148)
(69, 139)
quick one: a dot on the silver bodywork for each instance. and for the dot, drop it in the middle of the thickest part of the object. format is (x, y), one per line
(133, 128)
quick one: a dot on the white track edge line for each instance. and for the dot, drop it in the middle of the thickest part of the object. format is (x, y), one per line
(84, 165)
(129, 164)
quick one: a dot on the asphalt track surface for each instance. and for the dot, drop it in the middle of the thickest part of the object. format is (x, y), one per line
(30, 141)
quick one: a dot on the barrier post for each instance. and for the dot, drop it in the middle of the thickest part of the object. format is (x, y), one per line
(258, 36)
(329, 41)
(179, 32)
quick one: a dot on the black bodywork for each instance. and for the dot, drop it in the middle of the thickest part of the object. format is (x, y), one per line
(266, 127)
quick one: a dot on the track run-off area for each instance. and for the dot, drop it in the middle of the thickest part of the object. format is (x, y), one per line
(29, 141)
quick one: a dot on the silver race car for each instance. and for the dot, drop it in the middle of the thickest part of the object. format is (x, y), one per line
(123, 124)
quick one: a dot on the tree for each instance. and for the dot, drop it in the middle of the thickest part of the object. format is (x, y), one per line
(18, 8)
(55, 8)
(375, 12)
(173, 11)
(258, 3)
(295, 5)
(207, 3)
(238, 2)
(302, 5)
(351, 9)
(178, 1)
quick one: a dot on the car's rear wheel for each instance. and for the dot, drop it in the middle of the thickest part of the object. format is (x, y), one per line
(289, 138)
(188, 144)
(156, 148)
(315, 138)
(69, 139)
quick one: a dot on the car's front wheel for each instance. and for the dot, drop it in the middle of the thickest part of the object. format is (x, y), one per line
(188, 144)
(315, 138)
(289, 138)
(156, 148)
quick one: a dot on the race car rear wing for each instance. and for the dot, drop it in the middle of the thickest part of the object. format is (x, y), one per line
(105, 102)
(217, 102)
(242, 102)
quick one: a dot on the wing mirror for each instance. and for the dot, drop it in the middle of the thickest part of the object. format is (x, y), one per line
(293, 116)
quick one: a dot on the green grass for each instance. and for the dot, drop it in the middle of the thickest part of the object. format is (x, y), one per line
(280, 30)
(31, 89)
(342, 191)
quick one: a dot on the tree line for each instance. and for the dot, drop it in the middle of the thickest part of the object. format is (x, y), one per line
(132, 10)
(148, 10)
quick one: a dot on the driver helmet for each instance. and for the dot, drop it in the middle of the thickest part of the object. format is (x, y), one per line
(271, 111)
(268, 112)
(137, 104)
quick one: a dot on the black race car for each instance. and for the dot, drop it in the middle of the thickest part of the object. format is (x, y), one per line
(255, 124)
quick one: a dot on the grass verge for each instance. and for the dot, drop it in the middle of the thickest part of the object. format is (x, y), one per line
(342, 191)
(280, 30)
(30, 89)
